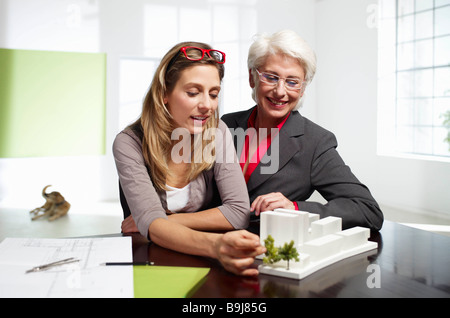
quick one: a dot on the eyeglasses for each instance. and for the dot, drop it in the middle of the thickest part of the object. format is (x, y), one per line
(291, 83)
(193, 53)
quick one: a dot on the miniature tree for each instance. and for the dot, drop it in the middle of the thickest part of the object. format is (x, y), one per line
(275, 254)
(272, 252)
(288, 252)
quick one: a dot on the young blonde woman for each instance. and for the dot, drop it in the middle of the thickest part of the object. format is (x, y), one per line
(175, 160)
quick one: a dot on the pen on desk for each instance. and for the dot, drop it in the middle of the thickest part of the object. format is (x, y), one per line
(44, 267)
(127, 263)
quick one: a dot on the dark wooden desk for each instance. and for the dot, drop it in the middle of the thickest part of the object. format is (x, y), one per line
(410, 263)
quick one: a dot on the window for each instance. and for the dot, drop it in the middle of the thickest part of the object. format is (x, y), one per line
(414, 77)
(136, 74)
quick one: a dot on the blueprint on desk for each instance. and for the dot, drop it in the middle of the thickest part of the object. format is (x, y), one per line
(86, 278)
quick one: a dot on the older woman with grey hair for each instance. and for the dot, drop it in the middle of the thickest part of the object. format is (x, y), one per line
(284, 156)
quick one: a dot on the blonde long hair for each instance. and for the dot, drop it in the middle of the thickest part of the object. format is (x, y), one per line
(155, 125)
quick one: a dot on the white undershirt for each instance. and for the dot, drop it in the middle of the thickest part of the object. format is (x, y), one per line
(176, 198)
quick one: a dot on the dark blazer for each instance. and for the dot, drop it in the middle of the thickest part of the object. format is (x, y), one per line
(308, 161)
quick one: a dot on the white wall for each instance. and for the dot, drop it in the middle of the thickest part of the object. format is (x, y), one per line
(347, 105)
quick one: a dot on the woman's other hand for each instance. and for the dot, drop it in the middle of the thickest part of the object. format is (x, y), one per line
(270, 202)
(128, 225)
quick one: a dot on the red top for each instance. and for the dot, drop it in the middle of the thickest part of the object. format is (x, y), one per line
(261, 149)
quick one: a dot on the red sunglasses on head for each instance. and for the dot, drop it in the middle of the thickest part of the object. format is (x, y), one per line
(192, 53)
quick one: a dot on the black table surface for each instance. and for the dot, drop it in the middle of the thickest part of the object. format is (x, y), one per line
(408, 263)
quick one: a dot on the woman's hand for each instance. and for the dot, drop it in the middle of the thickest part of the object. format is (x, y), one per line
(236, 251)
(270, 202)
(129, 226)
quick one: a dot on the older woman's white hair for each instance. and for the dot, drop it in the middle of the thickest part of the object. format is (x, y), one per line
(285, 42)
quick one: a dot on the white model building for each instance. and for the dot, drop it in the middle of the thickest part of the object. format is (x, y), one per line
(320, 242)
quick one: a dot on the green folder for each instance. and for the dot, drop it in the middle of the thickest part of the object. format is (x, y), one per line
(167, 281)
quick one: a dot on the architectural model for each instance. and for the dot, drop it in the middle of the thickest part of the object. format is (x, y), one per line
(319, 242)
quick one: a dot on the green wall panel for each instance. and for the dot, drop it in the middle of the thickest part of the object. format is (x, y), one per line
(52, 103)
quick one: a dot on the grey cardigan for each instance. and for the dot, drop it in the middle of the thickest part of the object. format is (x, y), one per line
(223, 186)
(308, 161)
